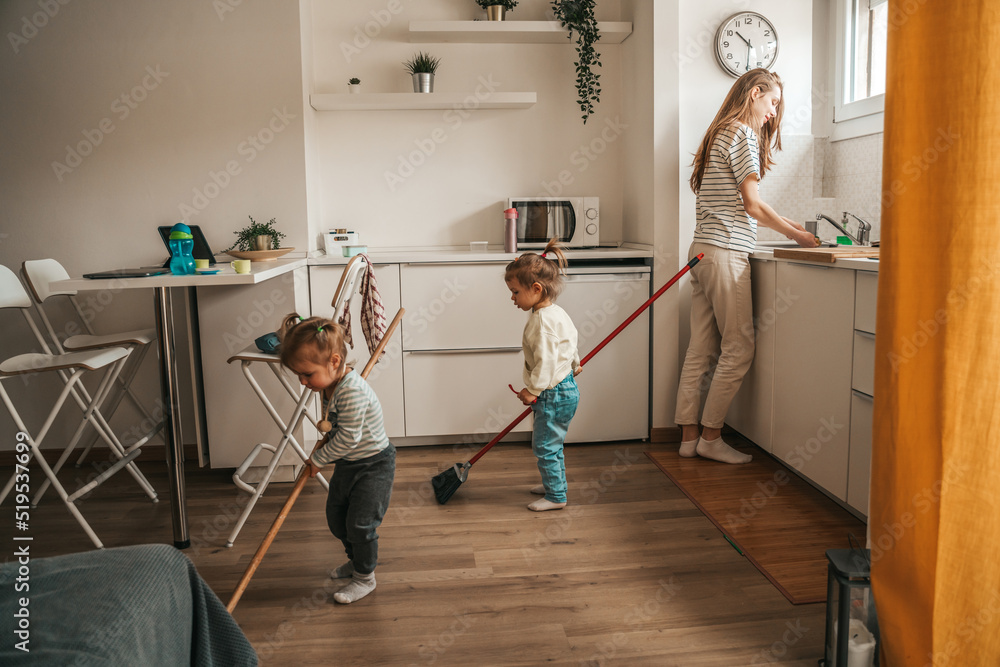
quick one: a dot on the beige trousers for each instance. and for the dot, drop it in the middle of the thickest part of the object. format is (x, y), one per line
(722, 334)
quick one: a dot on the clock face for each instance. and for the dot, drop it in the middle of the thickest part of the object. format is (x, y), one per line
(745, 41)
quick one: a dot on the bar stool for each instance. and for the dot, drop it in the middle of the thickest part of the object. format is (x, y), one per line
(301, 395)
(37, 274)
(72, 366)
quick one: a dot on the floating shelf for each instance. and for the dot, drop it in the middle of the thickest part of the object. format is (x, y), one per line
(385, 101)
(509, 32)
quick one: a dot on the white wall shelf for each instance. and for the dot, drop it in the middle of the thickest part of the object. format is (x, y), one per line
(509, 32)
(387, 101)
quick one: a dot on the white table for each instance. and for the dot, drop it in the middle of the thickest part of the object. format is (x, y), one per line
(165, 288)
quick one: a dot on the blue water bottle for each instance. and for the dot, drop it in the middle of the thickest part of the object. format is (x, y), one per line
(181, 249)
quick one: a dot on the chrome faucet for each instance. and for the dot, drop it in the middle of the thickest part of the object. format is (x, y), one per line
(864, 228)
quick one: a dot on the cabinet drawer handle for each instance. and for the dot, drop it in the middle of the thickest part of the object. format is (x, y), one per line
(866, 334)
(863, 395)
(467, 350)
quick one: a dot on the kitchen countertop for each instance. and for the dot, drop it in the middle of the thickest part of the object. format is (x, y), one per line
(442, 254)
(858, 263)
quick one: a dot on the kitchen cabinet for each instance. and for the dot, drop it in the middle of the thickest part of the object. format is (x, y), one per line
(386, 379)
(751, 412)
(614, 385)
(812, 377)
(863, 391)
(461, 348)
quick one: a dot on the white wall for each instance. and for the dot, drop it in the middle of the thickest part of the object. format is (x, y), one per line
(199, 82)
(451, 190)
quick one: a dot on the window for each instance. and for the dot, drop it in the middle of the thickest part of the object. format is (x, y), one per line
(861, 54)
(870, 25)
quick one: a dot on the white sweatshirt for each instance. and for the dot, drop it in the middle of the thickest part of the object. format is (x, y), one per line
(549, 344)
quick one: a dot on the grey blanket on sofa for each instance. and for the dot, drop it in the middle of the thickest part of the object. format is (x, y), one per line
(141, 605)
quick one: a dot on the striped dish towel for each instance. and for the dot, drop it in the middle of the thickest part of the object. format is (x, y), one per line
(373, 322)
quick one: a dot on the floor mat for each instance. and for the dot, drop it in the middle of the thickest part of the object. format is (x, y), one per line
(777, 520)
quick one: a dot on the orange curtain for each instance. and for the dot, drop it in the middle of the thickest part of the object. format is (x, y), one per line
(935, 501)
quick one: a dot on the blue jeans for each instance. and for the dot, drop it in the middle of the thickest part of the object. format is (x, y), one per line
(554, 410)
(357, 502)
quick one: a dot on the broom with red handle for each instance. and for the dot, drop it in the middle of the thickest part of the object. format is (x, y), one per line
(300, 483)
(446, 483)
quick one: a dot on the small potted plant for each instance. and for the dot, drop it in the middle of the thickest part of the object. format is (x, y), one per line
(354, 85)
(257, 236)
(496, 9)
(422, 67)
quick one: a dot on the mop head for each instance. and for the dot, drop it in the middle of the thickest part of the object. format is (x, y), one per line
(446, 483)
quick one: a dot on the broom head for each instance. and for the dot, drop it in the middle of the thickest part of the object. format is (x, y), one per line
(446, 483)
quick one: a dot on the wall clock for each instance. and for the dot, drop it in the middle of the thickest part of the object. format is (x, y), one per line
(745, 41)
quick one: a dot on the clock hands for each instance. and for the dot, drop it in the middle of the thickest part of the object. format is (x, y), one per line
(749, 48)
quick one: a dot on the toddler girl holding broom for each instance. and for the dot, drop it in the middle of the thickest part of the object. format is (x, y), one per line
(551, 361)
(355, 441)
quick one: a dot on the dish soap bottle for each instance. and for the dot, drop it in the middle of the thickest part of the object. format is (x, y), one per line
(510, 230)
(181, 249)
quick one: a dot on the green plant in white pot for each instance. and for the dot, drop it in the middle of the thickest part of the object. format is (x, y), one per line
(422, 68)
(354, 85)
(496, 9)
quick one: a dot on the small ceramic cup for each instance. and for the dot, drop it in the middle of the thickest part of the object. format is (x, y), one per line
(201, 263)
(241, 265)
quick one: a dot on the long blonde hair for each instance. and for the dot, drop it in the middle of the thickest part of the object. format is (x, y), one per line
(736, 109)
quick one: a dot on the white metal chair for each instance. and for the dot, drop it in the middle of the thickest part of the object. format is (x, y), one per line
(72, 366)
(38, 274)
(349, 282)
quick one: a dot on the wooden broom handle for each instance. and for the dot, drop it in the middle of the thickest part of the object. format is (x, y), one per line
(300, 482)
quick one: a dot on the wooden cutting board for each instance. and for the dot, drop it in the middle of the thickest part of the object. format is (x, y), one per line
(829, 255)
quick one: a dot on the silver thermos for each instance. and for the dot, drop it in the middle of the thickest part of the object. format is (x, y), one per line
(510, 230)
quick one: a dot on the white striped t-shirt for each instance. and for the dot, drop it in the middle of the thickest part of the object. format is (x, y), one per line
(358, 430)
(722, 220)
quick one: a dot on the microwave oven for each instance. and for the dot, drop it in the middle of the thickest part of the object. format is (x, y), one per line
(573, 221)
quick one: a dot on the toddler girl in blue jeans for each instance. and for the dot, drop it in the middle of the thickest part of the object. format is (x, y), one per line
(551, 361)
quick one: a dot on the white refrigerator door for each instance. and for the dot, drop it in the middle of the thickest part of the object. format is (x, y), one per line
(614, 385)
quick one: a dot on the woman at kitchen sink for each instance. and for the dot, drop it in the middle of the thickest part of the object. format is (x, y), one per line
(733, 156)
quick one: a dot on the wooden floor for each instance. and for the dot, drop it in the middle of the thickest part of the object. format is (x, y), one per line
(630, 573)
(748, 502)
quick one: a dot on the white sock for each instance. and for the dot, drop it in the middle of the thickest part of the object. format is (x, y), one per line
(688, 447)
(717, 450)
(360, 586)
(343, 572)
(538, 490)
(543, 505)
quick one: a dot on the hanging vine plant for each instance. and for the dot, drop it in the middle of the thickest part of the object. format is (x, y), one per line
(578, 16)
